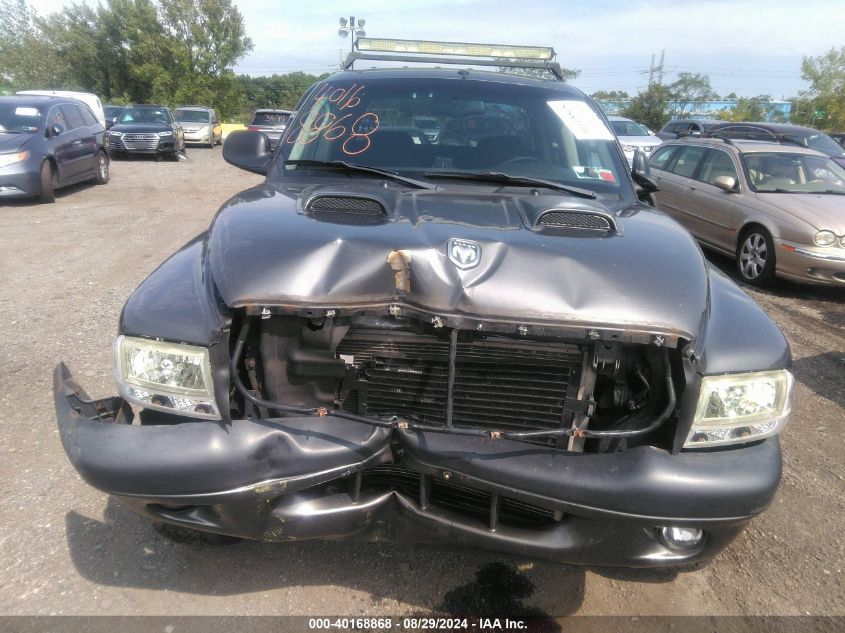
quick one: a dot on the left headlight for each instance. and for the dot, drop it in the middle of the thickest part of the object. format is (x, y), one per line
(165, 376)
(11, 159)
(167, 133)
(740, 408)
(629, 148)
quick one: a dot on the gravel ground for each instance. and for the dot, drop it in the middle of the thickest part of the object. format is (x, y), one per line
(65, 548)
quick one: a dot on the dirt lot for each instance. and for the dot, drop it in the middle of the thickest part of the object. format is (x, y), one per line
(65, 548)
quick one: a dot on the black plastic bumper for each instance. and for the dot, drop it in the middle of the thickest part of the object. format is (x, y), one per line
(299, 478)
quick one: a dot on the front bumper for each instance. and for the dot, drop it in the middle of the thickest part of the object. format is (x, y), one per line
(198, 137)
(20, 180)
(326, 478)
(811, 264)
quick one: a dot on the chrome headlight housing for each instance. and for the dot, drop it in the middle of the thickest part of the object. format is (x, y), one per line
(165, 376)
(825, 238)
(166, 133)
(739, 408)
(115, 133)
(629, 148)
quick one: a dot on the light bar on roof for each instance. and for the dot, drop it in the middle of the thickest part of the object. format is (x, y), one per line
(381, 45)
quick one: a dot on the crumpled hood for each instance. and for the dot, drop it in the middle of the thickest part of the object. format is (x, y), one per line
(819, 210)
(264, 250)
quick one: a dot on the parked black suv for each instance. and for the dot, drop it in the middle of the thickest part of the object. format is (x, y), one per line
(147, 129)
(676, 128)
(47, 143)
(490, 342)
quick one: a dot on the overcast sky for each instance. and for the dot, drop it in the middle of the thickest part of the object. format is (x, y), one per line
(746, 46)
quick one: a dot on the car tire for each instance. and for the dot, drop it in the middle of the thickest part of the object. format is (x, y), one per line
(48, 193)
(102, 176)
(755, 256)
(187, 536)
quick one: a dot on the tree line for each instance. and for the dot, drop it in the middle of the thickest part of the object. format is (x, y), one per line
(178, 52)
(822, 106)
(155, 51)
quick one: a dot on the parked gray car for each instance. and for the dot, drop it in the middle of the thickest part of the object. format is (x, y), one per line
(47, 143)
(633, 136)
(271, 122)
(776, 208)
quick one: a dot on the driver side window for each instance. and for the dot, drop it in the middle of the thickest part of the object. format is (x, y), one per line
(717, 163)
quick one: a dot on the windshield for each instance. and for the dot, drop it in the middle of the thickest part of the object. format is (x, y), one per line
(145, 115)
(112, 111)
(823, 143)
(629, 128)
(780, 172)
(484, 126)
(193, 116)
(19, 119)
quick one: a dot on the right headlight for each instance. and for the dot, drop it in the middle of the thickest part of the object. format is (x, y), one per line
(825, 238)
(739, 408)
(165, 376)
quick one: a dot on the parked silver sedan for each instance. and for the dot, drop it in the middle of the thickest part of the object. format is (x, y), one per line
(779, 209)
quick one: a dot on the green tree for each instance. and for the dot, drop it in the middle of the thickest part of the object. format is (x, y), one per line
(688, 91)
(826, 75)
(26, 59)
(650, 107)
(749, 109)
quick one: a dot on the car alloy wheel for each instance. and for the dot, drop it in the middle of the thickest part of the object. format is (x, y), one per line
(102, 168)
(756, 258)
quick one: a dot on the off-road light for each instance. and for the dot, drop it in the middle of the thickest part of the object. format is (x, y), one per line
(738, 408)
(825, 238)
(455, 48)
(681, 538)
(165, 376)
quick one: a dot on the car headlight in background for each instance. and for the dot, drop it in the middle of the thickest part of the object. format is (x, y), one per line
(165, 376)
(739, 408)
(168, 133)
(825, 238)
(11, 159)
(629, 148)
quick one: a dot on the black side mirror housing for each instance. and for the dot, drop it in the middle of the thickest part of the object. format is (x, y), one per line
(55, 130)
(249, 151)
(641, 174)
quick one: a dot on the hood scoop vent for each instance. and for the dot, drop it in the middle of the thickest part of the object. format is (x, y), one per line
(345, 209)
(573, 220)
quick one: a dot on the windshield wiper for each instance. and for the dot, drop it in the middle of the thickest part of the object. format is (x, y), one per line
(361, 169)
(506, 179)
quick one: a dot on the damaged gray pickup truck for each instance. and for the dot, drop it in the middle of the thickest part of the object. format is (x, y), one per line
(481, 338)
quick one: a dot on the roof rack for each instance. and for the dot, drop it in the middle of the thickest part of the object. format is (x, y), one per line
(743, 131)
(425, 51)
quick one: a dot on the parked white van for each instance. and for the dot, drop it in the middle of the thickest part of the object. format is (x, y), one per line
(91, 100)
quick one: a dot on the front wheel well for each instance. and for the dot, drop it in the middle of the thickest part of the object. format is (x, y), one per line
(746, 228)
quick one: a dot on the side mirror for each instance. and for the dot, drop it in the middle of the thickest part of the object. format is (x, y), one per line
(55, 130)
(725, 183)
(641, 174)
(248, 150)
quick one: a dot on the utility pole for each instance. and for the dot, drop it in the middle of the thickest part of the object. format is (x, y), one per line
(651, 72)
(660, 68)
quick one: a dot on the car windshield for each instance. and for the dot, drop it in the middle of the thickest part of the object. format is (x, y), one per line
(112, 111)
(193, 116)
(145, 115)
(484, 127)
(269, 118)
(628, 128)
(780, 172)
(16, 118)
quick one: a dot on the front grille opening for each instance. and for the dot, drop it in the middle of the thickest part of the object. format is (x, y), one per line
(466, 501)
(499, 383)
